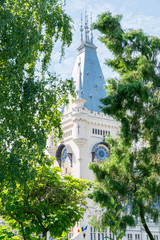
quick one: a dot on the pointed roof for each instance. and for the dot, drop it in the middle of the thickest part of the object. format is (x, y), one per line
(87, 73)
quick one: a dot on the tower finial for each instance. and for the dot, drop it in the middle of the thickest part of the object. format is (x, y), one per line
(86, 27)
(81, 29)
(91, 29)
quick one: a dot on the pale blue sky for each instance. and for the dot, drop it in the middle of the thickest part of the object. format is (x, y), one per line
(143, 14)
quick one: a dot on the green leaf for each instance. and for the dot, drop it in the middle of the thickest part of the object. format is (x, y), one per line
(112, 200)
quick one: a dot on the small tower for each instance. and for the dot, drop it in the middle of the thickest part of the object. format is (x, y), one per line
(83, 123)
(81, 28)
(91, 30)
(87, 73)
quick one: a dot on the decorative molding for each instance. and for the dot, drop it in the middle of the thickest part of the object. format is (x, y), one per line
(80, 141)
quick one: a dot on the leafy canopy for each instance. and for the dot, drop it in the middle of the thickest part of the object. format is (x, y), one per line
(30, 97)
(34, 198)
(131, 174)
(46, 203)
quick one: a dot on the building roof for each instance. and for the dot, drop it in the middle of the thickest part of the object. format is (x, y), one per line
(87, 73)
(88, 77)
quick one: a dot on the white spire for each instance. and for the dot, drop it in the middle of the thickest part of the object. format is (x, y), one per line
(86, 28)
(87, 74)
(91, 30)
(80, 80)
(81, 29)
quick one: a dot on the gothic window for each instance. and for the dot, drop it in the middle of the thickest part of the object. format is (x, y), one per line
(100, 132)
(105, 233)
(64, 156)
(94, 234)
(102, 236)
(91, 233)
(137, 236)
(155, 237)
(129, 236)
(99, 236)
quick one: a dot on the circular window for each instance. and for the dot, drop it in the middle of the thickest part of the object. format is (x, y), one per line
(101, 152)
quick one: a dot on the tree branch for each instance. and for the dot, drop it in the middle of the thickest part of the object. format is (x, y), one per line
(21, 223)
(143, 221)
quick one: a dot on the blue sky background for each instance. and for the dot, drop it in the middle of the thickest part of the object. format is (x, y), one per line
(137, 14)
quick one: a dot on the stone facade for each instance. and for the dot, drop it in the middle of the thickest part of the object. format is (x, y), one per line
(85, 128)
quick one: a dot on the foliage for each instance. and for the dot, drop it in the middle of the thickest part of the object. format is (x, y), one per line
(46, 203)
(110, 218)
(132, 173)
(7, 234)
(30, 97)
(33, 198)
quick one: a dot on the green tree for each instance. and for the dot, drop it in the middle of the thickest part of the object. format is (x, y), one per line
(132, 173)
(6, 234)
(110, 217)
(33, 197)
(30, 97)
(46, 203)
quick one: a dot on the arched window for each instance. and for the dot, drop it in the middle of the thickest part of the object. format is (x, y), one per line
(63, 153)
(100, 152)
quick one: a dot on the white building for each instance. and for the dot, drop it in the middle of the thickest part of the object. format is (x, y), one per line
(85, 127)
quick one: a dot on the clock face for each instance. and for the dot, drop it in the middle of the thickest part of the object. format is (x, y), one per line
(64, 155)
(101, 152)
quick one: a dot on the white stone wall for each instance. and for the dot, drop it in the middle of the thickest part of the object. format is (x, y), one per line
(78, 127)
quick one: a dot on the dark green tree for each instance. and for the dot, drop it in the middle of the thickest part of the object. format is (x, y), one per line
(33, 197)
(48, 203)
(111, 216)
(30, 97)
(131, 174)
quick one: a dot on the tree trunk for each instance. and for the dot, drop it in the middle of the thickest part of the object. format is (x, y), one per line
(24, 236)
(143, 221)
(148, 231)
(45, 234)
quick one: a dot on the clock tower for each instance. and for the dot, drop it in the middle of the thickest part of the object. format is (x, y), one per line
(83, 123)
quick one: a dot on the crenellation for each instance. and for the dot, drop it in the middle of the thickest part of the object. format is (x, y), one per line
(90, 114)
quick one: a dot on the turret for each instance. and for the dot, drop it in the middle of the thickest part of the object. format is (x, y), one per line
(87, 74)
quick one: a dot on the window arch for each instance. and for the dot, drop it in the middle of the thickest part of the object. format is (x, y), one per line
(63, 152)
(100, 151)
